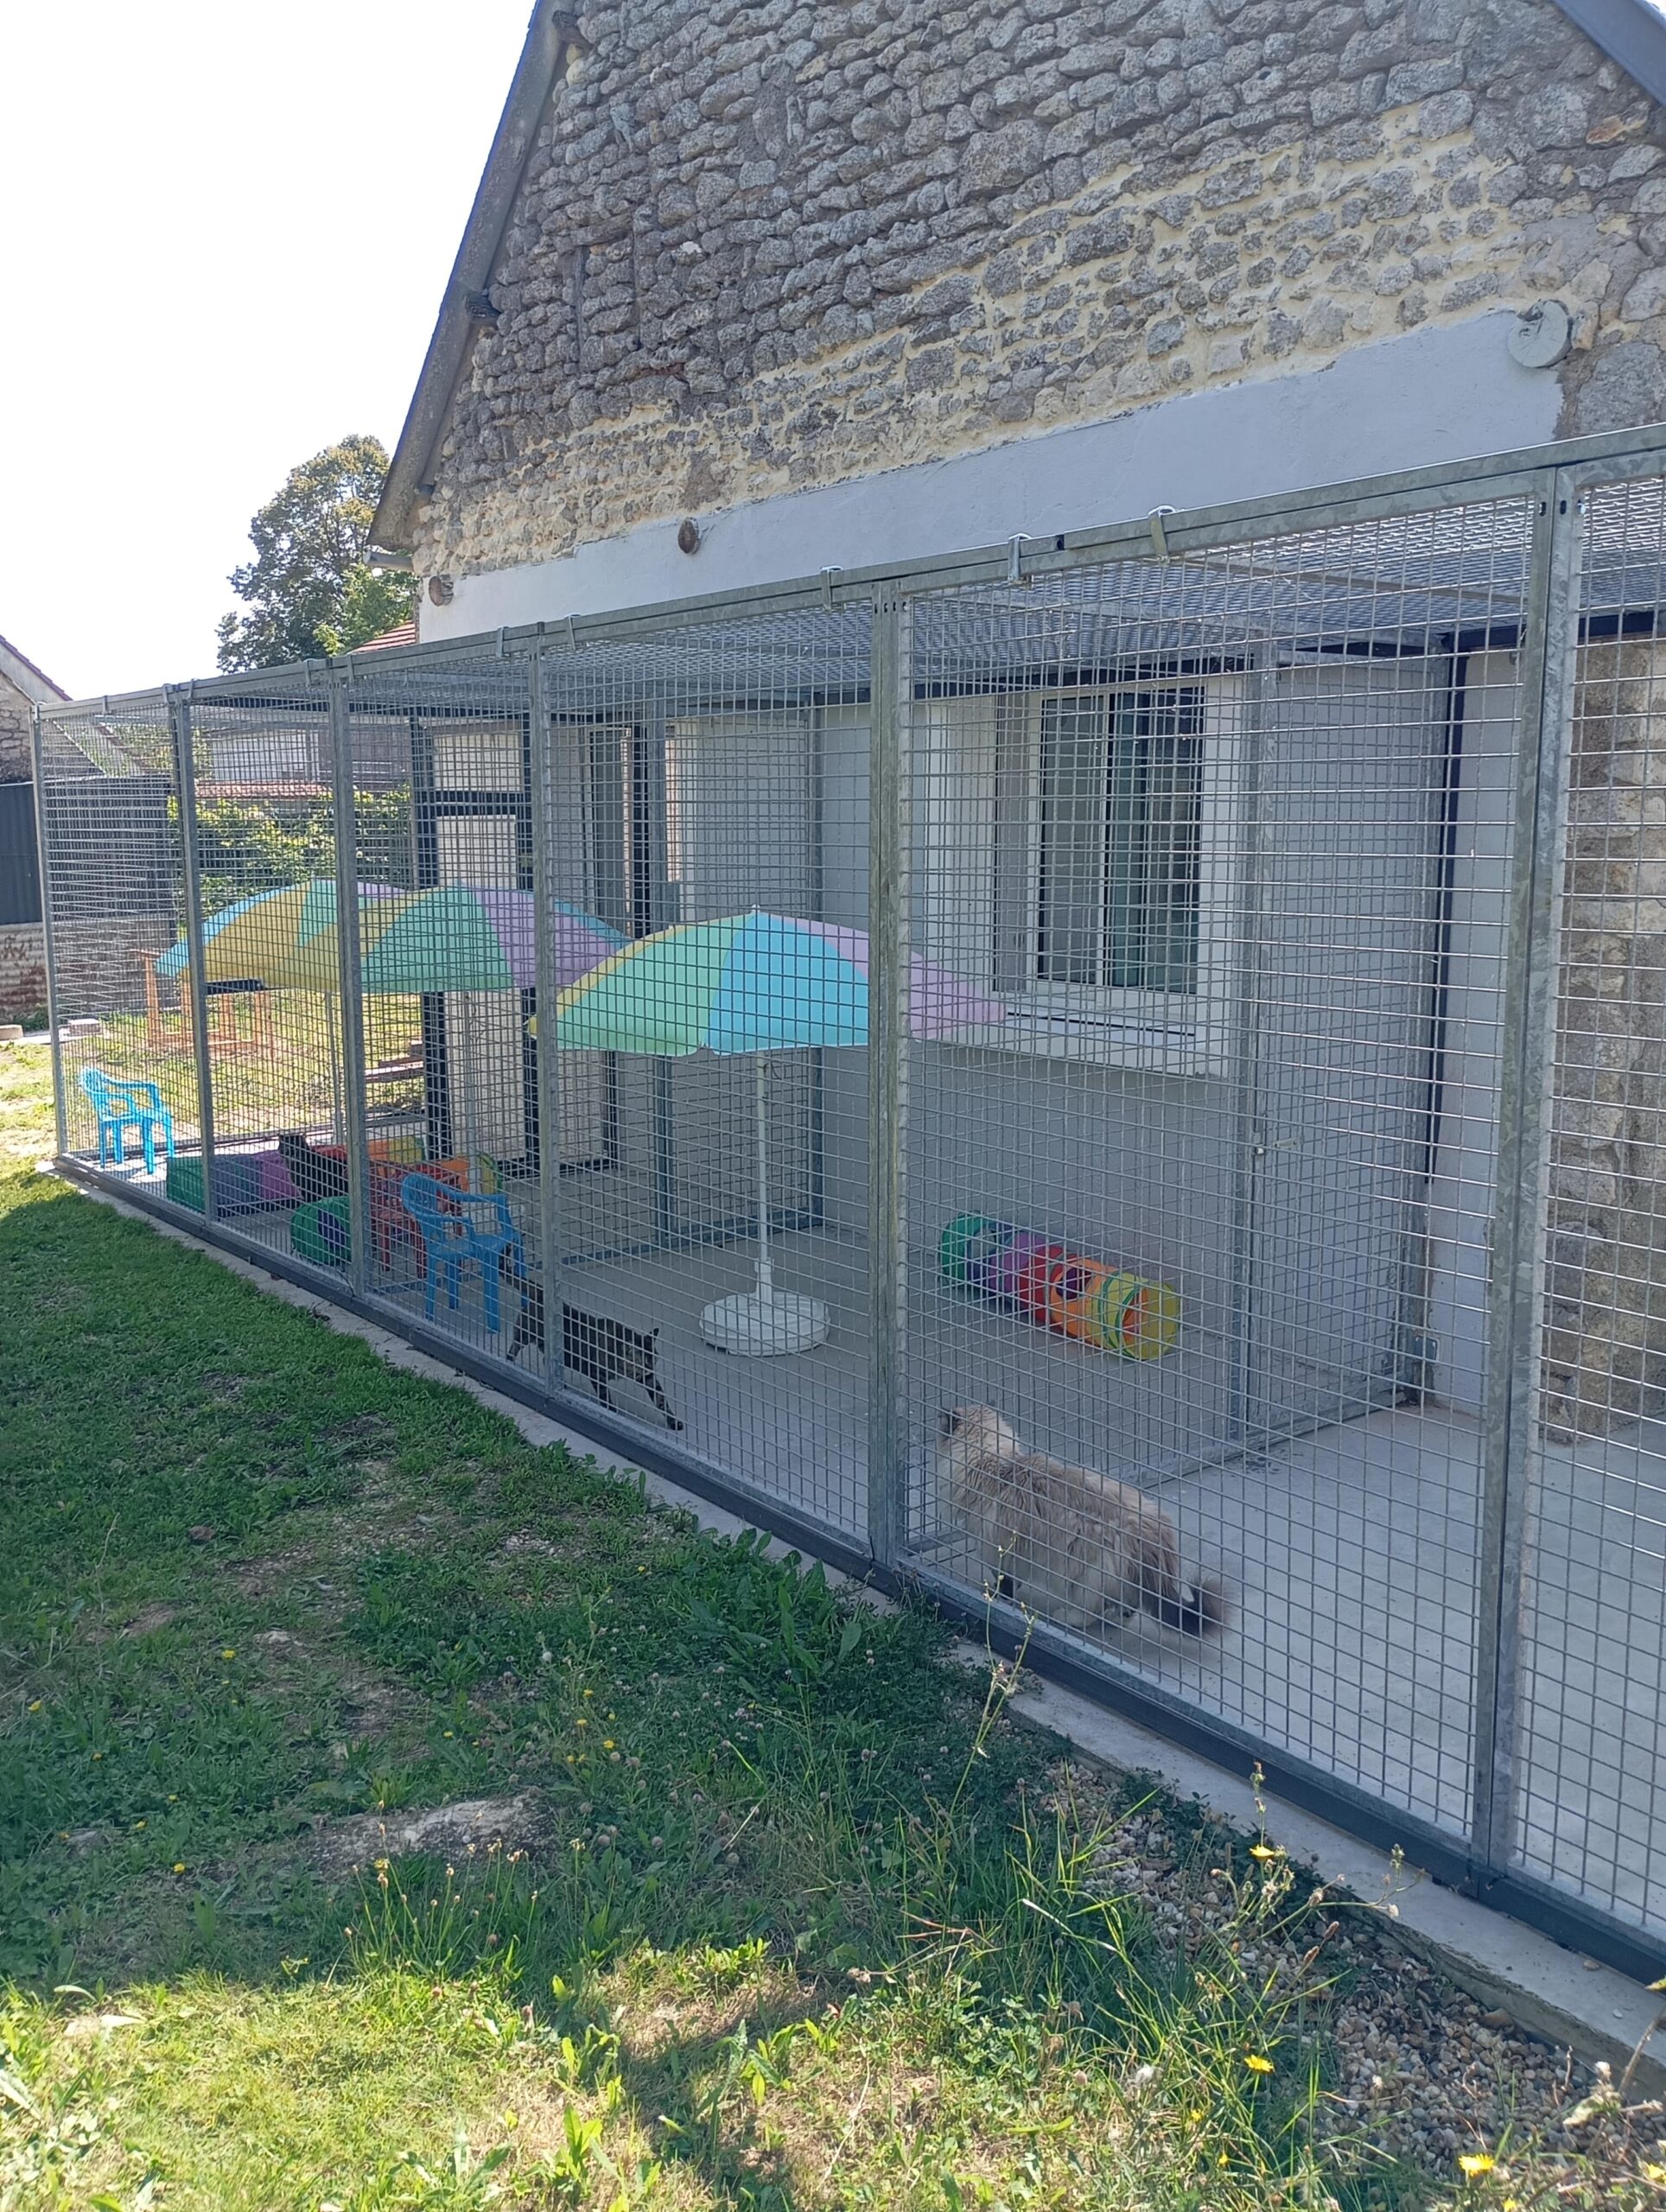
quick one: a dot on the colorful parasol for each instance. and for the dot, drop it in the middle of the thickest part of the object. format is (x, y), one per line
(756, 983)
(452, 939)
(753, 983)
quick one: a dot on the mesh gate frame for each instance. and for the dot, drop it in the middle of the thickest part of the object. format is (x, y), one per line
(1489, 1863)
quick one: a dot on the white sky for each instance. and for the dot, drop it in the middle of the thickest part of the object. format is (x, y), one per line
(227, 228)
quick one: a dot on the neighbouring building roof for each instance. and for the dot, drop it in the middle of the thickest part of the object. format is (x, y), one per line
(23, 675)
(92, 740)
(404, 635)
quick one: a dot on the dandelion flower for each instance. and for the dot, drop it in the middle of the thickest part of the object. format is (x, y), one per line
(1265, 1852)
(1473, 2163)
(606, 1743)
(1257, 2064)
(139, 1824)
(35, 1705)
(179, 1865)
(229, 1652)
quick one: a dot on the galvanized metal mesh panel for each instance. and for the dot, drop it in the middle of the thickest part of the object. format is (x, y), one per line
(266, 861)
(114, 902)
(1196, 1229)
(439, 775)
(1582, 1773)
(693, 779)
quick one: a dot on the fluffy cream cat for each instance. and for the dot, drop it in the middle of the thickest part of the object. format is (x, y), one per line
(1074, 1546)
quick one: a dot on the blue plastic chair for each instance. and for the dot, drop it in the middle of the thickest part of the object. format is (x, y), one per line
(122, 1106)
(459, 1228)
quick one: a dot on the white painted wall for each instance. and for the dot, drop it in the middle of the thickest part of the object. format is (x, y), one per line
(1432, 397)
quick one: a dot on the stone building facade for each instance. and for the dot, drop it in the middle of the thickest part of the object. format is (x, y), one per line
(757, 249)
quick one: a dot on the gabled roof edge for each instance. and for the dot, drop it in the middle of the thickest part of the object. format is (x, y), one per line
(1631, 32)
(547, 37)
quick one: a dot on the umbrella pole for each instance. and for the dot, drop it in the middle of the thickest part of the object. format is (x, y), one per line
(335, 1067)
(766, 1279)
(762, 1323)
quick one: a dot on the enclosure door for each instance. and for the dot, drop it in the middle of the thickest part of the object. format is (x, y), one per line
(1343, 907)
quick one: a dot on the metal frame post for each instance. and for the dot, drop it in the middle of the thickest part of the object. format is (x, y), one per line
(1550, 641)
(890, 662)
(348, 968)
(649, 834)
(548, 1059)
(185, 782)
(49, 959)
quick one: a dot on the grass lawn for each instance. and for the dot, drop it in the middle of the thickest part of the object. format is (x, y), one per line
(798, 1915)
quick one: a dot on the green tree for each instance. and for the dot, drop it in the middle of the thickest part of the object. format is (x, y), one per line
(308, 589)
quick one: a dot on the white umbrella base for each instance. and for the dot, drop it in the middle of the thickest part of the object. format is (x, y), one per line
(758, 1323)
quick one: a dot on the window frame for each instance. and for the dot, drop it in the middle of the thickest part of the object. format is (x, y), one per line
(1160, 1029)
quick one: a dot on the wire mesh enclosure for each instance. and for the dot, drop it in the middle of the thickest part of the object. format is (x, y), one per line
(1118, 1082)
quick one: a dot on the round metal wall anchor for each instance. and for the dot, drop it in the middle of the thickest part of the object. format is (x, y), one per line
(1542, 335)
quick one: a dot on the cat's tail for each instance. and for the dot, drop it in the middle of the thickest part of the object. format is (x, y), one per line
(1200, 1611)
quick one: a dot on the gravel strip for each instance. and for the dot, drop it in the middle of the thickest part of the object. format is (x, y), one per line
(1423, 2072)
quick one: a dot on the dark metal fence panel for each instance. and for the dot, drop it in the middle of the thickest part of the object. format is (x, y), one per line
(20, 871)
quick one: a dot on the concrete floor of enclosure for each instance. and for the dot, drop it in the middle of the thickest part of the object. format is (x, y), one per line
(1349, 1555)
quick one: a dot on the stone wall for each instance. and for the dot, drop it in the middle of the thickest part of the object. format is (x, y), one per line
(22, 971)
(16, 764)
(778, 245)
(98, 971)
(1606, 1319)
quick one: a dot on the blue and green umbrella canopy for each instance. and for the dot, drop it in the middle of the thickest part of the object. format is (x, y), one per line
(751, 983)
